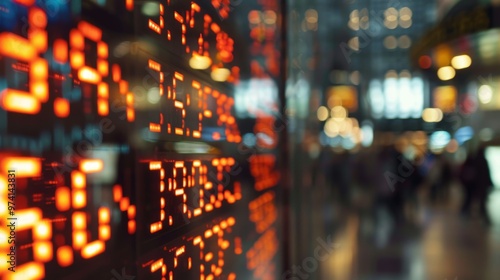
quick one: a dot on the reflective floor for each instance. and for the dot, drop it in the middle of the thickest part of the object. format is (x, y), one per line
(438, 244)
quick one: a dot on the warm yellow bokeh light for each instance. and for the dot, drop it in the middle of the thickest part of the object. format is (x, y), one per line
(322, 113)
(485, 94)
(332, 128)
(390, 42)
(200, 62)
(446, 73)
(461, 61)
(432, 115)
(220, 74)
(338, 113)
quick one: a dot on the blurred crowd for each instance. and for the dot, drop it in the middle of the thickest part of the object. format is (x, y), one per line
(399, 183)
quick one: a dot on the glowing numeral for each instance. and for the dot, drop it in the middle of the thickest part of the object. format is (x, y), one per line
(27, 219)
(79, 200)
(195, 8)
(212, 264)
(156, 127)
(179, 106)
(87, 73)
(199, 107)
(179, 184)
(123, 89)
(199, 49)
(14, 46)
(158, 225)
(157, 27)
(178, 17)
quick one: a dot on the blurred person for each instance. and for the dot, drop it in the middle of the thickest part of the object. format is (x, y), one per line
(476, 180)
(412, 187)
(442, 179)
(390, 197)
(340, 176)
(364, 174)
(323, 169)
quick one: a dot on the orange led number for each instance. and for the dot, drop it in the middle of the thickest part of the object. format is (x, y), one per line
(158, 225)
(179, 105)
(156, 127)
(27, 219)
(86, 73)
(66, 199)
(28, 50)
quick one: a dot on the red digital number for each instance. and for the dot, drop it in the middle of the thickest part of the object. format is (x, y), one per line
(29, 51)
(69, 201)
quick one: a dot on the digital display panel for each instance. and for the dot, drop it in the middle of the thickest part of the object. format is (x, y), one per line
(121, 155)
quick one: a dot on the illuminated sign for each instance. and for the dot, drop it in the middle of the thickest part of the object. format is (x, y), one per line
(397, 98)
(345, 96)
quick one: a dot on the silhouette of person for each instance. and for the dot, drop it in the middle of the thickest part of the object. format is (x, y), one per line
(476, 179)
(441, 185)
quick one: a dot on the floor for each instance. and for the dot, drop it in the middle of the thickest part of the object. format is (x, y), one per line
(439, 245)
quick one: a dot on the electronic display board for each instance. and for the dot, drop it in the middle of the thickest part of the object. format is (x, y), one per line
(121, 155)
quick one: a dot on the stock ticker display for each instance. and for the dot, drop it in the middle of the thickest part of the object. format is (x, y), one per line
(123, 154)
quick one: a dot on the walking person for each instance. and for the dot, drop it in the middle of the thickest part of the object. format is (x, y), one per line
(476, 180)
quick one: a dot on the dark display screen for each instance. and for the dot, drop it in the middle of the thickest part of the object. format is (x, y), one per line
(133, 144)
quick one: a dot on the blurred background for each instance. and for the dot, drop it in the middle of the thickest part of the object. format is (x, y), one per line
(394, 147)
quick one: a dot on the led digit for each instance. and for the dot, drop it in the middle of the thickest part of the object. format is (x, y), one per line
(198, 104)
(89, 249)
(124, 90)
(193, 206)
(179, 105)
(158, 225)
(156, 127)
(195, 8)
(212, 262)
(27, 219)
(179, 185)
(79, 218)
(28, 50)
(178, 17)
(86, 73)
(155, 26)
(124, 203)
